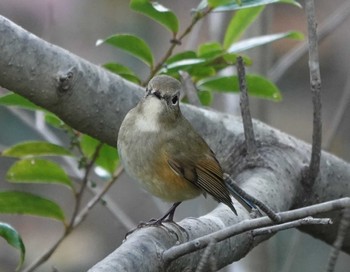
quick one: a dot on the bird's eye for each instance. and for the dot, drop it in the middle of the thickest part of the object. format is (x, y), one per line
(175, 99)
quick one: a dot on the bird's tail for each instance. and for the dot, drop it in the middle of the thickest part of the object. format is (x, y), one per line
(244, 202)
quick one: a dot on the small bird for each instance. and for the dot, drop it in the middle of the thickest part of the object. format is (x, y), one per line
(162, 150)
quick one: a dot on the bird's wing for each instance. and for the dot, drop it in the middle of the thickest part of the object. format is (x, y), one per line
(205, 173)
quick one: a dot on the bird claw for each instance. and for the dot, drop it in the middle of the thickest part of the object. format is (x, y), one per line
(151, 223)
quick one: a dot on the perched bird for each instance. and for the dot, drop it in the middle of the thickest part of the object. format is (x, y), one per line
(162, 150)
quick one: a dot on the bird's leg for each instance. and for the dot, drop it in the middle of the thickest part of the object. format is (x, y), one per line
(170, 214)
(167, 217)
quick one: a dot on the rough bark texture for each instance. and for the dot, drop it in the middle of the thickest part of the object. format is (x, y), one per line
(95, 101)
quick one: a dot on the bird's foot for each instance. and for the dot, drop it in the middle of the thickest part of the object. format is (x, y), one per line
(167, 218)
(151, 223)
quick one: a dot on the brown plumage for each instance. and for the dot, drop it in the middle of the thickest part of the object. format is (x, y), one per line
(162, 150)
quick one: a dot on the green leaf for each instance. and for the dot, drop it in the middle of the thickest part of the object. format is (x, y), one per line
(131, 44)
(12, 99)
(200, 72)
(257, 86)
(14, 239)
(181, 56)
(53, 120)
(206, 97)
(37, 171)
(182, 65)
(232, 59)
(108, 156)
(218, 3)
(262, 40)
(14, 202)
(209, 50)
(122, 71)
(227, 5)
(157, 12)
(241, 20)
(35, 148)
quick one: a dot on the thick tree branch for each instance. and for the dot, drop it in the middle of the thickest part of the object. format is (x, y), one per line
(95, 101)
(170, 248)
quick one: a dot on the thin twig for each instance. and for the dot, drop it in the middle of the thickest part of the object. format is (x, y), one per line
(78, 220)
(189, 88)
(207, 258)
(293, 224)
(174, 42)
(88, 207)
(244, 104)
(315, 82)
(342, 231)
(247, 225)
(85, 179)
(78, 197)
(326, 28)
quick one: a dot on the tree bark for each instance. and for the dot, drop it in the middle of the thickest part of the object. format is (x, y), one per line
(94, 101)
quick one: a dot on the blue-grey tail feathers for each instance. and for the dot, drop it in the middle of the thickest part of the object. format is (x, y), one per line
(244, 202)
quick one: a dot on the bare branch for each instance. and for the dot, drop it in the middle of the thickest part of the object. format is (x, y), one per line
(246, 116)
(293, 224)
(178, 251)
(315, 81)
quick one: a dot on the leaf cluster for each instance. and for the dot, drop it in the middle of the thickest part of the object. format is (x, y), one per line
(205, 64)
(37, 162)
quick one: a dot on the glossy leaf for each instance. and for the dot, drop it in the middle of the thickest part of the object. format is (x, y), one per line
(183, 64)
(35, 148)
(131, 44)
(209, 50)
(157, 12)
(182, 56)
(218, 3)
(122, 71)
(14, 239)
(12, 99)
(37, 171)
(227, 5)
(262, 40)
(240, 21)
(53, 120)
(233, 5)
(201, 72)
(14, 202)
(257, 86)
(107, 157)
